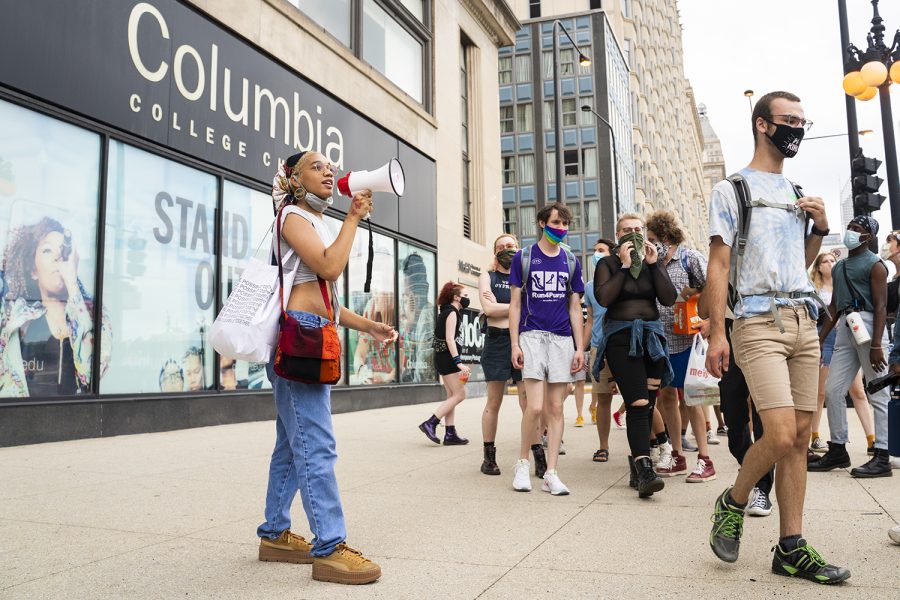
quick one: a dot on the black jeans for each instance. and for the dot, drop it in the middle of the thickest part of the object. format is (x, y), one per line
(631, 374)
(733, 394)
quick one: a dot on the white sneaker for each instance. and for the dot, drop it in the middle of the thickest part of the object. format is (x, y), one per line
(562, 448)
(895, 462)
(553, 485)
(665, 456)
(654, 455)
(711, 438)
(894, 534)
(522, 479)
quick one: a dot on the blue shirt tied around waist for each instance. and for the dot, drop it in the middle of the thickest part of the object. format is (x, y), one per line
(651, 331)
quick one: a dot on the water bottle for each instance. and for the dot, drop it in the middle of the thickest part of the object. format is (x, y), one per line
(894, 422)
(858, 328)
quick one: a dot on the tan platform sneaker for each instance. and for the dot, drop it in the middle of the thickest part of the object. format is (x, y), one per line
(345, 565)
(287, 547)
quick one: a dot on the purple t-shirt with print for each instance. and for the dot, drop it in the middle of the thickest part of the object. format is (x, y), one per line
(545, 306)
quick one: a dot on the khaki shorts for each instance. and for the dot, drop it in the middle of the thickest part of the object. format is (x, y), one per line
(781, 369)
(601, 386)
(548, 356)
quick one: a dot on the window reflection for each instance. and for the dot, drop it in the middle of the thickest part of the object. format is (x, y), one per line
(369, 362)
(416, 329)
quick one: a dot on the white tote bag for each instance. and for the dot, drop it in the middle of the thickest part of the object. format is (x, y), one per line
(700, 388)
(247, 326)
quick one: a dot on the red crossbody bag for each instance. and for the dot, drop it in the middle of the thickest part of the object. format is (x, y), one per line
(306, 354)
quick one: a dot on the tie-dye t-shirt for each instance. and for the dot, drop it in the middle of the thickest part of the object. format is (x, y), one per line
(775, 257)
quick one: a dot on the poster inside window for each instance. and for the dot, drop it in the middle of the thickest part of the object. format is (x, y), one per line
(49, 198)
(415, 267)
(370, 363)
(158, 273)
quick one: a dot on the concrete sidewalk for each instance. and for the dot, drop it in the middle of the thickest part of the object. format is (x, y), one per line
(169, 515)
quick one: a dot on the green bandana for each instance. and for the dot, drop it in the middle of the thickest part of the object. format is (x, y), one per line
(637, 253)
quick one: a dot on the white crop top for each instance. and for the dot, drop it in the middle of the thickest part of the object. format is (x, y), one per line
(291, 261)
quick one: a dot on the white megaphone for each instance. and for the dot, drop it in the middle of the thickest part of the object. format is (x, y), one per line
(388, 178)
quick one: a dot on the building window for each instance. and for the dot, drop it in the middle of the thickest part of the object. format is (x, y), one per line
(547, 64)
(575, 209)
(158, 273)
(626, 51)
(505, 69)
(548, 114)
(524, 118)
(589, 162)
(534, 9)
(370, 362)
(595, 4)
(509, 170)
(509, 221)
(418, 289)
(591, 215)
(416, 7)
(550, 164)
(585, 69)
(526, 169)
(464, 118)
(49, 193)
(569, 112)
(392, 50)
(587, 116)
(570, 163)
(626, 9)
(527, 218)
(334, 16)
(507, 120)
(566, 62)
(523, 68)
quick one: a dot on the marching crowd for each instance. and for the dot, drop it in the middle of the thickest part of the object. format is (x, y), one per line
(778, 317)
(787, 331)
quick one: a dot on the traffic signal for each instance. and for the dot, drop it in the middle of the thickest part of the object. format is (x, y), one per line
(866, 183)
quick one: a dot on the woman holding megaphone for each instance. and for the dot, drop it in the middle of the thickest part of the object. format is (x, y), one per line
(304, 455)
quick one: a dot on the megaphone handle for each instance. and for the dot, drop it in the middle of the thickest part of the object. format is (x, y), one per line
(368, 286)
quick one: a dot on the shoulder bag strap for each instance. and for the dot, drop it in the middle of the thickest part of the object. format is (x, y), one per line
(858, 302)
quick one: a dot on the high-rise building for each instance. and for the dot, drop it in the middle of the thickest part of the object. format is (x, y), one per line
(527, 144)
(713, 159)
(666, 132)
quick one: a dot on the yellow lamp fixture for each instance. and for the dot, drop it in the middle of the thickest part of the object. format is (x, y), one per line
(874, 73)
(868, 94)
(854, 84)
(584, 61)
(895, 72)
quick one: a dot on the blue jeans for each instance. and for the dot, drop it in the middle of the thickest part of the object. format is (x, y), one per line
(304, 459)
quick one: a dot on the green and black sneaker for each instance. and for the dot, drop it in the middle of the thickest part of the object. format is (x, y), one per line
(728, 526)
(805, 562)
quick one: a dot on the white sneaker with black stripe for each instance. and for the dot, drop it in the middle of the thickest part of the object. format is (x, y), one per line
(760, 505)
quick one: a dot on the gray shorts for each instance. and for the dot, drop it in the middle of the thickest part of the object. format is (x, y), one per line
(547, 356)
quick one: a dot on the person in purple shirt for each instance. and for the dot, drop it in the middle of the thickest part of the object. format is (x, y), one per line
(544, 317)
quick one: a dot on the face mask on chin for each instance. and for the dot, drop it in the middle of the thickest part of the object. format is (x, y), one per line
(318, 204)
(786, 139)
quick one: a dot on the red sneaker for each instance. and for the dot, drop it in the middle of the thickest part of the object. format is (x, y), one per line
(676, 465)
(619, 418)
(704, 471)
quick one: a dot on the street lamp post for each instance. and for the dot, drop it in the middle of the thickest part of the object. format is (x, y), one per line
(612, 134)
(749, 94)
(872, 72)
(557, 104)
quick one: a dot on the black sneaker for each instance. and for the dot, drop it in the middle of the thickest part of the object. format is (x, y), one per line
(728, 526)
(760, 505)
(805, 562)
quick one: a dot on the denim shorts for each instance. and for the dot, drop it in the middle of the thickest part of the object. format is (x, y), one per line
(828, 347)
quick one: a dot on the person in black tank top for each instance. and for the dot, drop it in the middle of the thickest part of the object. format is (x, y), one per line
(448, 362)
(496, 358)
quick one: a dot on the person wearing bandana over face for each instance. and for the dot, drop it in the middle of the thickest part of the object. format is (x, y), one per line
(629, 284)
(860, 286)
(774, 334)
(544, 316)
(304, 455)
(496, 358)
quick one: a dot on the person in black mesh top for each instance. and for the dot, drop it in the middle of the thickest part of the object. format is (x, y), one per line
(628, 284)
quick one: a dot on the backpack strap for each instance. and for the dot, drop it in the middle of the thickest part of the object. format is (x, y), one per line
(744, 205)
(570, 264)
(798, 191)
(526, 279)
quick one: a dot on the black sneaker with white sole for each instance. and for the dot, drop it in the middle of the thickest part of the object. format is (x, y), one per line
(760, 505)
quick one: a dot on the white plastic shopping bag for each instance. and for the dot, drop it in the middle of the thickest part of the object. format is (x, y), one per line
(247, 326)
(700, 388)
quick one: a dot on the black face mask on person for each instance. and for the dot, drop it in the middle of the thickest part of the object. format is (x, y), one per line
(786, 138)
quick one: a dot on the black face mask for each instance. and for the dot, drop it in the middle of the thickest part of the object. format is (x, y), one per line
(787, 139)
(464, 302)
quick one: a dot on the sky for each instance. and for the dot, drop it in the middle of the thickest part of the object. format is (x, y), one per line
(767, 45)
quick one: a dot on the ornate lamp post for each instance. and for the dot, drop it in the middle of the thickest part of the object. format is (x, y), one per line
(867, 74)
